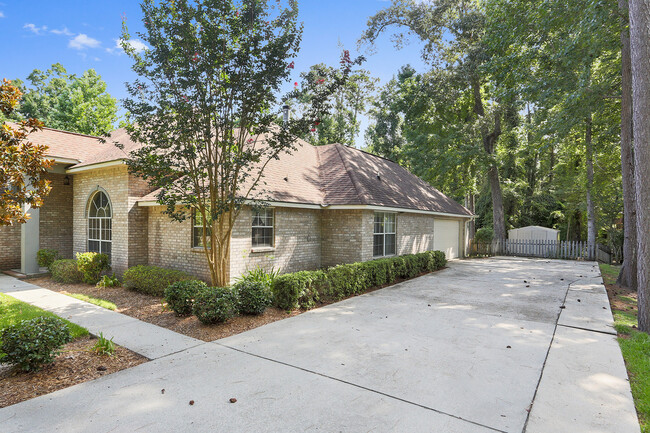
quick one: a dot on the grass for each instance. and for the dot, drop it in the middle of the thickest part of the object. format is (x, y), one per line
(635, 346)
(96, 301)
(13, 311)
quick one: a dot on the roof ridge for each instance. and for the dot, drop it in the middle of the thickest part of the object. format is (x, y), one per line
(74, 133)
(355, 183)
(369, 153)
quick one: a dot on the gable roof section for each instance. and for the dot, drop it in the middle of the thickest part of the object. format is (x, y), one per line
(69, 146)
(110, 152)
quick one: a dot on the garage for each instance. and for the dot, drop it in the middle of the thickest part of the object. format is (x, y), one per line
(446, 237)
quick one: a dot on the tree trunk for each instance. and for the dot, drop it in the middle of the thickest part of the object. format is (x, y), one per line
(591, 211)
(498, 215)
(640, 49)
(470, 203)
(627, 276)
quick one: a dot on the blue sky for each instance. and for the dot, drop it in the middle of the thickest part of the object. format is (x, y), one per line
(82, 35)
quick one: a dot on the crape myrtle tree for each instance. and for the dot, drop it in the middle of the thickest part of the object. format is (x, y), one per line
(22, 163)
(206, 104)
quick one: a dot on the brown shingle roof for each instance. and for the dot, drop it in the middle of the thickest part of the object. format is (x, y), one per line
(68, 145)
(110, 152)
(340, 175)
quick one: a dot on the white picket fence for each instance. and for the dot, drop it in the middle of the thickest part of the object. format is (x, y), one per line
(571, 250)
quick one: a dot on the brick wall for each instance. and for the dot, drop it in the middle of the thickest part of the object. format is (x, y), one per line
(414, 233)
(55, 230)
(297, 242)
(343, 236)
(10, 247)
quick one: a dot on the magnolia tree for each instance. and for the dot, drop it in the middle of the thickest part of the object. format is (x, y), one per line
(22, 163)
(206, 104)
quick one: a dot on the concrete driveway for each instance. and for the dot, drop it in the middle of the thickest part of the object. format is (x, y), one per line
(482, 346)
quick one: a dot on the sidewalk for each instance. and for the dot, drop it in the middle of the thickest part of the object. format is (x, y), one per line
(143, 338)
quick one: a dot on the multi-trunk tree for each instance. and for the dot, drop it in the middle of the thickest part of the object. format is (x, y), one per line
(206, 105)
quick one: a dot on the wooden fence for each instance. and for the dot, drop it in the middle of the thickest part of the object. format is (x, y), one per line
(571, 250)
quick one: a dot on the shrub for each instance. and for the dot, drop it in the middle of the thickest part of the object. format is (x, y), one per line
(152, 280)
(65, 271)
(46, 256)
(484, 235)
(180, 295)
(299, 289)
(346, 280)
(109, 281)
(260, 275)
(91, 265)
(33, 343)
(253, 296)
(214, 304)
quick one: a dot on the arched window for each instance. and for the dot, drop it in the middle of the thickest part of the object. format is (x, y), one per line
(99, 224)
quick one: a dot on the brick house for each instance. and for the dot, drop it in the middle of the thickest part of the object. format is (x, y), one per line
(327, 205)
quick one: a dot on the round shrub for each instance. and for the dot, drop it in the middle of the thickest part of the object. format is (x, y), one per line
(484, 235)
(254, 296)
(214, 304)
(46, 256)
(152, 280)
(33, 343)
(65, 271)
(91, 266)
(180, 296)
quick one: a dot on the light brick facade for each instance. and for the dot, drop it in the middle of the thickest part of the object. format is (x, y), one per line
(10, 247)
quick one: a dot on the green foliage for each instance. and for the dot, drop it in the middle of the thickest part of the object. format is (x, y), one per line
(484, 235)
(46, 256)
(69, 102)
(304, 289)
(66, 271)
(109, 281)
(217, 67)
(104, 346)
(180, 295)
(215, 305)
(253, 296)
(12, 311)
(298, 289)
(260, 275)
(91, 265)
(30, 344)
(152, 280)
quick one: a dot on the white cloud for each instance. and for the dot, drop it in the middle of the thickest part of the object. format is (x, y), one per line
(83, 41)
(136, 44)
(34, 29)
(63, 31)
(2, 15)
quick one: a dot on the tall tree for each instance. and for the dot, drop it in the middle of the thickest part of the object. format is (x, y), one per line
(453, 32)
(22, 163)
(345, 106)
(206, 103)
(640, 56)
(69, 102)
(627, 276)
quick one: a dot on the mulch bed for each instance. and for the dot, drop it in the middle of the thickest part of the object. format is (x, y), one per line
(151, 309)
(76, 364)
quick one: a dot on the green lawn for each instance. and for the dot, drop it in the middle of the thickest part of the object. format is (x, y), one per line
(635, 346)
(97, 301)
(13, 311)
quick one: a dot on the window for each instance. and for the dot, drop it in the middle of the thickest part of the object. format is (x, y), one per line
(197, 231)
(263, 228)
(383, 240)
(99, 224)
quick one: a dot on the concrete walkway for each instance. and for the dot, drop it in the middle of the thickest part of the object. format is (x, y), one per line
(482, 346)
(140, 337)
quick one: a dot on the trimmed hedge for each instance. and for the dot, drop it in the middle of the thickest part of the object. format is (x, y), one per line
(91, 266)
(65, 271)
(180, 295)
(253, 296)
(46, 256)
(152, 280)
(304, 289)
(215, 304)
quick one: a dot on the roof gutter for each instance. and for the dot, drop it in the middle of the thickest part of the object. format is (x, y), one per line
(58, 160)
(107, 164)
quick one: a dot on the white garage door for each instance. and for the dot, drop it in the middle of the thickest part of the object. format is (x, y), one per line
(446, 235)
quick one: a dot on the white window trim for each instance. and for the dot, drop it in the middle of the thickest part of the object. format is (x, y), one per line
(194, 225)
(101, 221)
(263, 248)
(384, 234)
